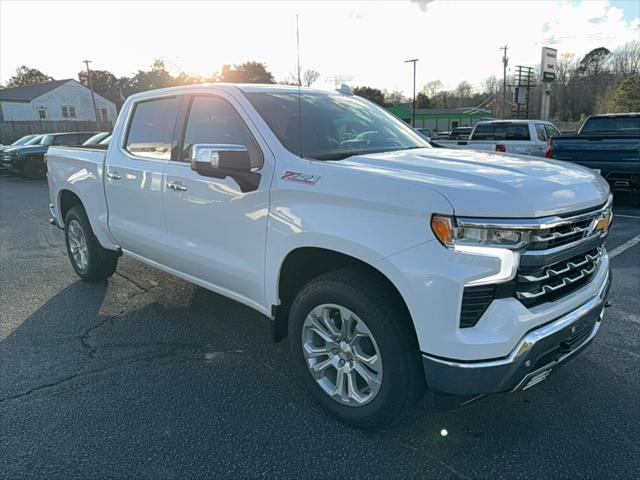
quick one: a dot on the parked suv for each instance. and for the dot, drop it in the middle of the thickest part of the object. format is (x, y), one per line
(28, 159)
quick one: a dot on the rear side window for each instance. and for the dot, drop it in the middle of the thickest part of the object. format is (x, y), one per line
(214, 120)
(65, 140)
(483, 132)
(518, 131)
(541, 133)
(151, 128)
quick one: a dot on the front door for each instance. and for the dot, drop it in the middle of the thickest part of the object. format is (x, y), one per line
(216, 232)
(133, 178)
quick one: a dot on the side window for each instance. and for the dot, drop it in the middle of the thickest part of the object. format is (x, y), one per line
(483, 132)
(214, 120)
(541, 132)
(500, 132)
(83, 137)
(66, 140)
(518, 131)
(151, 128)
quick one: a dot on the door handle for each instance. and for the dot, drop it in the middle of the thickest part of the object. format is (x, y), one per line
(176, 187)
(113, 175)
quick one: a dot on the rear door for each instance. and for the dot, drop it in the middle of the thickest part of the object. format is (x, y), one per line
(215, 231)
(134, 181)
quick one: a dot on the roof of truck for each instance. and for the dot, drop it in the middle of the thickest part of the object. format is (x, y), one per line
(244, 87)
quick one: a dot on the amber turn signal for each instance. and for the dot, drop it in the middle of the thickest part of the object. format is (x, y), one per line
(443, 229)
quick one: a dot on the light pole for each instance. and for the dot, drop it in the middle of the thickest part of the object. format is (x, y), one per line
(413, 60)
(93, 97)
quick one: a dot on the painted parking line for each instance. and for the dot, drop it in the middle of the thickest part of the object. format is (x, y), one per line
(626, 216)
(625, 246)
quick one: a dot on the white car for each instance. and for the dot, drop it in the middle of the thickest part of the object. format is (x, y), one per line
(390, 266)
(524, 137)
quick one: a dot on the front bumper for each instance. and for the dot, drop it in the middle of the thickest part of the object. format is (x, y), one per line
(538, 352)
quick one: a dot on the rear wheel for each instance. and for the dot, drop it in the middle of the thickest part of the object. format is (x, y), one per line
(34, 169)
(91, 262)
(355, 348)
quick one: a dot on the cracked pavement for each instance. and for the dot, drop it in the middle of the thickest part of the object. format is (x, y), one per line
(147, 376)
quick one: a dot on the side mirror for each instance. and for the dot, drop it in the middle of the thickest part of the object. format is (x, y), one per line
(225, 160)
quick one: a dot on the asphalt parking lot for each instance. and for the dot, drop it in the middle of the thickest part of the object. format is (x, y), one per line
(147, 376)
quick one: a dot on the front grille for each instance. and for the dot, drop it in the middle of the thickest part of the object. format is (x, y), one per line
(560, 235)
(536, 285)
(8, 157)
(562, 255)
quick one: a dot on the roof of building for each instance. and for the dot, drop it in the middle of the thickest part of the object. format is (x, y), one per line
(405, 112)
(26, 93)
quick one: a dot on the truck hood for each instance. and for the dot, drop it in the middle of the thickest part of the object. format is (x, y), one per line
(27, 149)
(491, 184)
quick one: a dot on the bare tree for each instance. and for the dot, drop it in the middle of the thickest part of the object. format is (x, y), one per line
(432, 88)
(309, 77)
(625, 60)
(394, 98)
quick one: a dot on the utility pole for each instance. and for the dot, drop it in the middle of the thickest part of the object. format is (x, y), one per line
(505, 62)
(413, 60)
(93, 97)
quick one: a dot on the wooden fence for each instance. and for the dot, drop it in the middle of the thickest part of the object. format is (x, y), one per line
(11, 131)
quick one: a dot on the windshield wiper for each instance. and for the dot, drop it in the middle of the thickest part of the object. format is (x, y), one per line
(351, 153)
(334, 156)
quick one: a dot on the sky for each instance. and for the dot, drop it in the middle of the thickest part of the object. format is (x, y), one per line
(353, 42)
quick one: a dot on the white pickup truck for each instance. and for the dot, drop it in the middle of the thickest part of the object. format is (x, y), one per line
(390, 265)
(523, 137)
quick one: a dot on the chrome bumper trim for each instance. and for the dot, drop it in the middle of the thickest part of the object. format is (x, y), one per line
(530, 339)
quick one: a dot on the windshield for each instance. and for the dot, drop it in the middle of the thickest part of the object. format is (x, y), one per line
(612, 125)
(96, 139)
(333, 126)
(35, 140)
(23, 140)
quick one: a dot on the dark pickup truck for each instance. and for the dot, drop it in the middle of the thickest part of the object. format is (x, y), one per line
(609, 144)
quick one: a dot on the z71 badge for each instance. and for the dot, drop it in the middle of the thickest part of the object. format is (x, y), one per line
(300, 177)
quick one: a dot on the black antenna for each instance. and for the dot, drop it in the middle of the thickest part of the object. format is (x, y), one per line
(299, 85)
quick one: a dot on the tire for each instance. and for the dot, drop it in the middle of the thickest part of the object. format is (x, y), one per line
(91, 262)
(34, 169)
(397, 370)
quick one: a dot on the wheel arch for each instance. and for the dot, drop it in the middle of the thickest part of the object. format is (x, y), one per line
(303, 264)
(66, 200)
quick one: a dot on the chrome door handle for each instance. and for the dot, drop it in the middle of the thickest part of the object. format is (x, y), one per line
(113, 175)
(176, 187)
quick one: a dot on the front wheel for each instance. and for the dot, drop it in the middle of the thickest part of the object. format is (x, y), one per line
(355, 348)
(34, 169)
(91, 262)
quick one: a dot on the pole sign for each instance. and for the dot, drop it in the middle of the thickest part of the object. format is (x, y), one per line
(548, 64)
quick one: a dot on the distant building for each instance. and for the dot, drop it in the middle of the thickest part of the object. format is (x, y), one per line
(442, 119)
(56, 100)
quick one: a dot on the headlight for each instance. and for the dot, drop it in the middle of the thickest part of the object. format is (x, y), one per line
(452, 235)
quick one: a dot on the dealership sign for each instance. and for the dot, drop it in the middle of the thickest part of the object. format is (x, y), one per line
(549, 63)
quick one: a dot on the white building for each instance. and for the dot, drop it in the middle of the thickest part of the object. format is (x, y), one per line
(56, 100)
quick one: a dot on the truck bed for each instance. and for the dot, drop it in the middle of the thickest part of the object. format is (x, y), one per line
(80, 172)
(617, 157)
